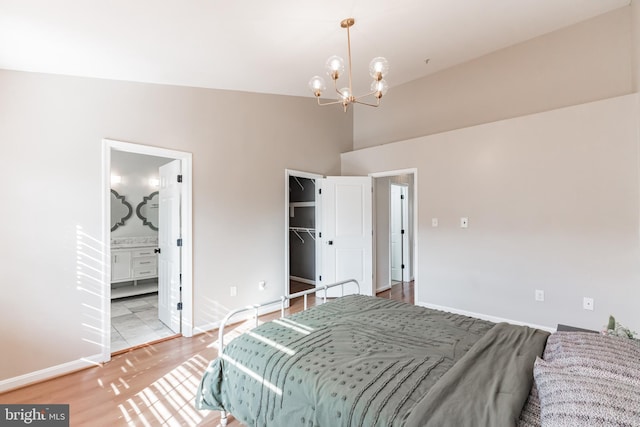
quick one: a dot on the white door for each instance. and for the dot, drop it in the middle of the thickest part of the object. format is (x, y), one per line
(399, 234)
(168, 236)
(347, 232)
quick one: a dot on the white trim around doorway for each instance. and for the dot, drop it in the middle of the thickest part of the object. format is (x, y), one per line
(414, 172)
(186, 225)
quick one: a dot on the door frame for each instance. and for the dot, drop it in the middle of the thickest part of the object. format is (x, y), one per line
(300, 174)
(414, 221)
(186, 226)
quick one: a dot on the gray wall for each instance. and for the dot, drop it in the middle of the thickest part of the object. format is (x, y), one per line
(552, 201)
(51, 129)
(585, 62)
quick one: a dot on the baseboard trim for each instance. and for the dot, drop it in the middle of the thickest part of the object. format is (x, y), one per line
(482, 316)
(303, 280)
(49, 373)
(382, 289)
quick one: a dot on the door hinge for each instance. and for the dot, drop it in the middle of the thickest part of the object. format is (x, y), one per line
(401, 231)
(179, 242)
(320, 234)
(402, 197)
(319, 190)
(402, 266)
(179, 178)
(179, 307)
(320, 277)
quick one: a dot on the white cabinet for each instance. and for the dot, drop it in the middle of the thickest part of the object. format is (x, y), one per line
(128, 266)
(120, 266)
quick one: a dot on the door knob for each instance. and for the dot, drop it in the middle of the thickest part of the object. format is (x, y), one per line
(156, 251)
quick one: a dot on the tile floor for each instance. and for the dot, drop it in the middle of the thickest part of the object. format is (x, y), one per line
(134, 321)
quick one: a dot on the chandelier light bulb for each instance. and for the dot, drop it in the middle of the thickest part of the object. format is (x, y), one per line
(378, 68)
(380, 88)
(335, 66)
(317, 85)
(345, 93)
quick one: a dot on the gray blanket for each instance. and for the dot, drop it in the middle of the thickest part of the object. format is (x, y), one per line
(366, 361)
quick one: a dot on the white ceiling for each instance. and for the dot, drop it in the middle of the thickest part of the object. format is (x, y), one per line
(268, 46)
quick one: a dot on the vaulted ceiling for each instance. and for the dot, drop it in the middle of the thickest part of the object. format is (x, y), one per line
(272, 46)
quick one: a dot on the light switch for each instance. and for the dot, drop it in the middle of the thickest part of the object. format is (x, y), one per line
(464, 222)
(434, 222)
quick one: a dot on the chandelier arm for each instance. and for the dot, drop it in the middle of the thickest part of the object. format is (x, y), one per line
(329, 103)
(367, 94)
(366, 103)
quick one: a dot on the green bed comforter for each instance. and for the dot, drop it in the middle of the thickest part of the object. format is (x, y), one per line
(366, 361)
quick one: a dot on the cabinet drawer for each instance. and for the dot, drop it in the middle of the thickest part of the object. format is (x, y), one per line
(143, 252)
(145, 262)
(142, 272)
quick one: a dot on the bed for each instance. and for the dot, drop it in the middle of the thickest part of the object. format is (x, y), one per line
(365, 361)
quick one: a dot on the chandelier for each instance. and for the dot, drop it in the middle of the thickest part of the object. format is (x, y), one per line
(378, 68)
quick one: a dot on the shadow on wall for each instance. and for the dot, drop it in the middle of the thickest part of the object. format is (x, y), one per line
(90, 276)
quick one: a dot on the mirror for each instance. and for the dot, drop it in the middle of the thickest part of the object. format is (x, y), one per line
(147, 210)
(121, 210)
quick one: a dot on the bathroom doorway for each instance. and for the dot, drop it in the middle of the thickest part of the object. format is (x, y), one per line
(149, 282)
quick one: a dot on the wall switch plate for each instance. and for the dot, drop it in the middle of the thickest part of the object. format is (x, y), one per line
(539, 295)
(587, 303)
(464, 222)
(434, 222)
(262, 284)
(233, 291)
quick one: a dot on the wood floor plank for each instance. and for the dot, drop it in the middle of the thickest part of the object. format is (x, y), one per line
(153, 385)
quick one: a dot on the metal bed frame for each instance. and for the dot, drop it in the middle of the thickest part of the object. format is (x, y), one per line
(256, 307)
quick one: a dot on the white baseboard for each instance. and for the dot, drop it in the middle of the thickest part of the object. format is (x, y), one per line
(482, 316)
(384, 288)
(303, 280)
(48, 373)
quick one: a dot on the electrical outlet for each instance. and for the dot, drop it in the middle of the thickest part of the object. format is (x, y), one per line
(464, 222)
(539, 295)
(262, 284)
(233, 291)
(434, 222)
(587, 303)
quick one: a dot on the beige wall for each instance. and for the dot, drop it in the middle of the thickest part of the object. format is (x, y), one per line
(552, 201)
(51, 129)
(585, 62)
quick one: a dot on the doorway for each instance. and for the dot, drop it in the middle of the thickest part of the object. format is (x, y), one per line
(395, 216)
(302, 222)
(148, 289)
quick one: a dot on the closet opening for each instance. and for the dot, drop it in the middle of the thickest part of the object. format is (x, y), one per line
(302, 222)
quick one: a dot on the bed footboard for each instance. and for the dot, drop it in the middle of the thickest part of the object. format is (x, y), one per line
(281, 300)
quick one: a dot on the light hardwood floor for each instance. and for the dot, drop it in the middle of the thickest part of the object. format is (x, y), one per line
(154, 385)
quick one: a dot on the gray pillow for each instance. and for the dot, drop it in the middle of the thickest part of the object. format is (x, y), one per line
(589, 380)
